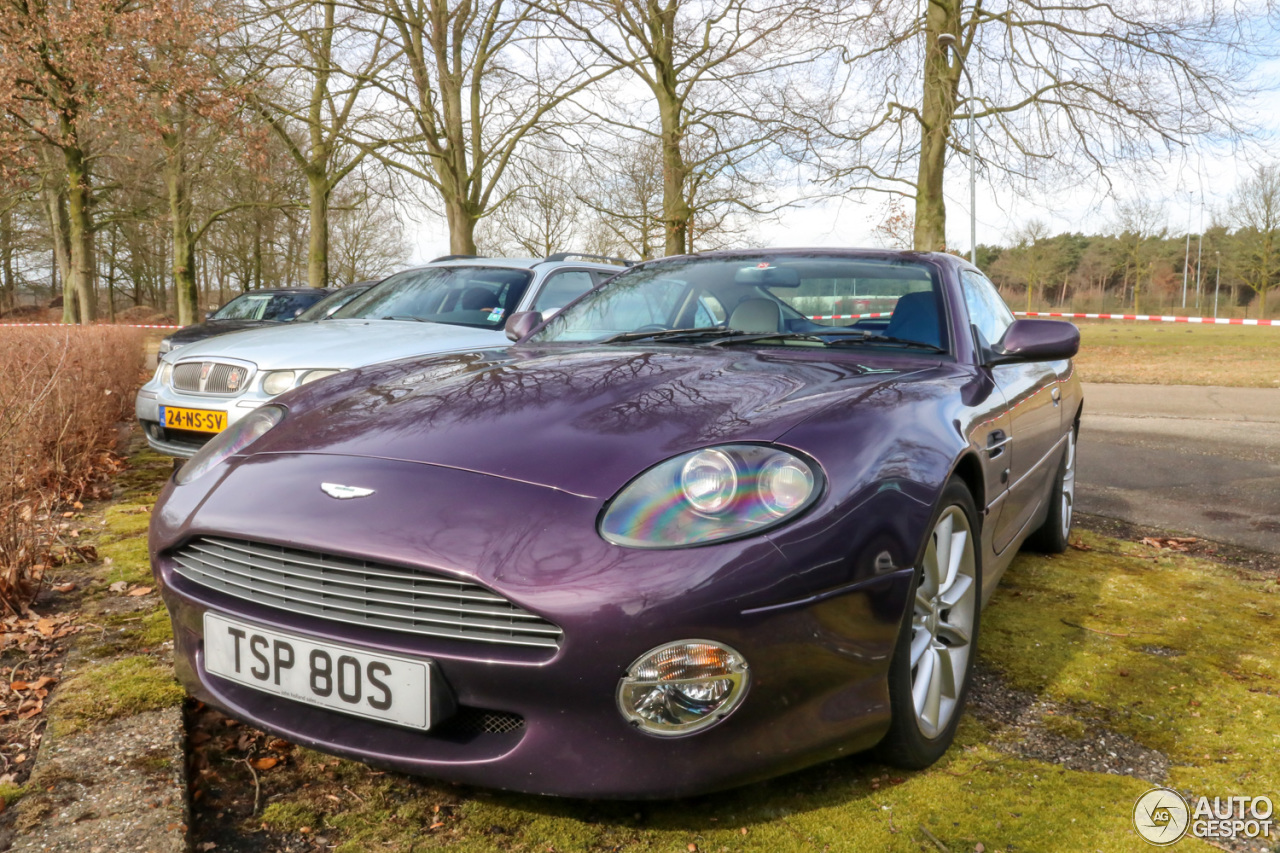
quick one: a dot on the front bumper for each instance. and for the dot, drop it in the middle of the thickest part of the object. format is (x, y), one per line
(186, 443)
(818, 661)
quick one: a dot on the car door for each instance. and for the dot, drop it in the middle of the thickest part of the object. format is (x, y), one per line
(1034, 421)
(560, 288)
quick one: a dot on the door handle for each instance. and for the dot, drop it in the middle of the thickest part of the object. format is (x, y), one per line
(996, 440)
(1056, 393)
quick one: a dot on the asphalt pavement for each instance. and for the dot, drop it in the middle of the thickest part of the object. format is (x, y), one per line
(1204, 461)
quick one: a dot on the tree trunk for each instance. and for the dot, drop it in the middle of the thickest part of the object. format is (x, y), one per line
(56, 209)
(936, 112)
(462, 225)
(676, 214)
(318, 249)
(186, 293)
(80, 233)
(8, 284)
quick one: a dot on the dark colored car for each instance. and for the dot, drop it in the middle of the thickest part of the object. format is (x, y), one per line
(680, 537)
(249, 310)
(325, 308)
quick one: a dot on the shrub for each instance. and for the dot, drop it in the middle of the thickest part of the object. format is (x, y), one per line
(63, 392)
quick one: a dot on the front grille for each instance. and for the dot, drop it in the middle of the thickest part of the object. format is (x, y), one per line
(478, 721)
(186, 377)
(210, 377)
(361, 593)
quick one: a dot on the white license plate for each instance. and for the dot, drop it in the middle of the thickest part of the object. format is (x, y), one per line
(383, 687)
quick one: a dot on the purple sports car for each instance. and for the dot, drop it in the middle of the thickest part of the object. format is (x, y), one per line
(723, 517)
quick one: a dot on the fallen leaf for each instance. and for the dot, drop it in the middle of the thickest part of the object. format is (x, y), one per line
(142, 590)
(265, 763)
(78, 505)
(45, 626)
(64, 587)
(119, 586)
(19, 685)
(436, 825)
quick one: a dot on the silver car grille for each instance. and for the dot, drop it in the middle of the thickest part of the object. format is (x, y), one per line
(357, 592)
(210, 377)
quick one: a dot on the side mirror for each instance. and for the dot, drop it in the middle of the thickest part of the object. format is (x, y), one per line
(1035, 340)
(521, 323)
(208, 315)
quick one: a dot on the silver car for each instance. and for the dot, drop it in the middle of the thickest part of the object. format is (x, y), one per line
(454, 303)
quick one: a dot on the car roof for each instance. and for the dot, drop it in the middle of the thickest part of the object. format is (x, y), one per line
(521, 263)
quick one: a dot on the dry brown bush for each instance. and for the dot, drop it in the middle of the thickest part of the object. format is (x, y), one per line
(62, 393)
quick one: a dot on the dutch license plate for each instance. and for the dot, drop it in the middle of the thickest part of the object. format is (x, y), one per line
(197, 420)
(382, 687)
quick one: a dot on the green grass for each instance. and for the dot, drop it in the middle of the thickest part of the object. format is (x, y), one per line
(1179, 354)
(1210, 707)
(119, 688)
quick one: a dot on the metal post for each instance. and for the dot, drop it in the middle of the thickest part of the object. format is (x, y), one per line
(1199, 254)
(1186, 262)
(1217, 282)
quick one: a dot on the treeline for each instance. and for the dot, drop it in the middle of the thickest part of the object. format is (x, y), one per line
(1142, 267)
(161, 153)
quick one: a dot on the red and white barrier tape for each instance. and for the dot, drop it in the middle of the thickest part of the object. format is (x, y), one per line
(850, 316)
(110, 325)
(1208, 321)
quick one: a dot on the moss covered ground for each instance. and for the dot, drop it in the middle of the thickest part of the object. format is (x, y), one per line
(122, 665)
(1175, 654)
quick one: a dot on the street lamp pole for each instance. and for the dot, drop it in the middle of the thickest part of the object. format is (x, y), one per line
(1217, 281)
(948, 41)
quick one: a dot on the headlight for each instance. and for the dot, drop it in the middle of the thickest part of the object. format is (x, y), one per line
(313, 375)
(682, 687)
(278, 381)
(165, 373)
(709, 495)
(229, 442)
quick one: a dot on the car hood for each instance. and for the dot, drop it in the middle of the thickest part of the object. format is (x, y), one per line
(583, 420)
(200, 331)
(341, 343)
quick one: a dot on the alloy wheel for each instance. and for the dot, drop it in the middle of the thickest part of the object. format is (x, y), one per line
(942, 622)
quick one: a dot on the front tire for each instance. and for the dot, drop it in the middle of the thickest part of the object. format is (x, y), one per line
(933, 660)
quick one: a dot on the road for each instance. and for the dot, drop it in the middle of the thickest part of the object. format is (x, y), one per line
(1199, 460)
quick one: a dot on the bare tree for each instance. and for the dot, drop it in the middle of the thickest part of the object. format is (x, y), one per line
(541, 214)
(474, 81)
(720, 79)
(1255, 207)
(1055, 89)
(307, 67)
(367, 241)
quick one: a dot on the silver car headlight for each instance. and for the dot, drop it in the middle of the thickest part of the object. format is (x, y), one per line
(312, 375)
(710, 495)
(682, 687)
(164, 372)
(278, 381)
(229, 442)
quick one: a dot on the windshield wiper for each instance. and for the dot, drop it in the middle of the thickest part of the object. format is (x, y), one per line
(666, 334)
(404, 317)
(855, 336)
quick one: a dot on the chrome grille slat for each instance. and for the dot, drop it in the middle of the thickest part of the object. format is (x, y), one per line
(447, 586)
(186, 377)
(317, 588)
(357, 592)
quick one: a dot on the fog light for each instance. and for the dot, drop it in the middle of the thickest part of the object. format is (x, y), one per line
(682, 687)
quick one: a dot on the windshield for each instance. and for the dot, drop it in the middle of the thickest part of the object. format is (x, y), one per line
(325, 308)
(814, 299)
(268, 306)
(461, 296)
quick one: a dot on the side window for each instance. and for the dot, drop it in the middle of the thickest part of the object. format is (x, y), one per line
(709, 312)
(987, 310)
(561, 288)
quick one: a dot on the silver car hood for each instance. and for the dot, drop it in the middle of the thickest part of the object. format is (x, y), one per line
(339, 343)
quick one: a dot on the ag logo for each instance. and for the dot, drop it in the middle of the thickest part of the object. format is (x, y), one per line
(1161, 816)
